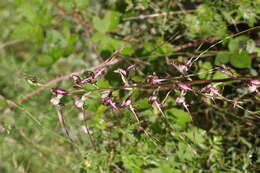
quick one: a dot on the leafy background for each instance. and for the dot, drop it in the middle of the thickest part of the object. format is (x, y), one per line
(47, 39)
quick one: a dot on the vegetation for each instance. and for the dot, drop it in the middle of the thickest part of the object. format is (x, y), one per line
(136, 86)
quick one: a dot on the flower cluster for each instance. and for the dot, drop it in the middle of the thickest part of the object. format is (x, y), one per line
(183, 87)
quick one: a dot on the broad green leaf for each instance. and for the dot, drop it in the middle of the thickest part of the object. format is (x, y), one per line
(100, 25)
(222, 58)
(181, 117)
(238, 43)
(241, 60)
(112, 20)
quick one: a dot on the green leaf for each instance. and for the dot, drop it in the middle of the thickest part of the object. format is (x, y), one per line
(238, 43)
(222, 58)
(28, 31)
(82, 4)
(204, 70)
(100, 25)
(101, 83)
(241, 60)
(181, 117)
(110, 22)
(45, 60)
(142, 104)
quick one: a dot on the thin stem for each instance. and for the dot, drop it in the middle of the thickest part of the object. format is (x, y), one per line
(173, 84)
(63, 124)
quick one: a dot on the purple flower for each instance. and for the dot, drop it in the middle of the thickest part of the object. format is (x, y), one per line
(181, 100)
(106, 99)
(56, 100)
(79, 104)
(184, 87)
(225, 70)
(127, 102)
(183, 68)
(255, 82)
(59, 91)
(99, 73)
(154, 100)
(155, 80)
(253, 86)
(131, 67)
(87, 80)
(209, 91)
(121, 71)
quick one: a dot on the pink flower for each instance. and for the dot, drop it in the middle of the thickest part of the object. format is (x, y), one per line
(183, 68)
(181, 100)
(59, 91)
(106, 99)
(225, 70)
(131, 67)
(155, 80)
(79, 104)
(121, 71)
(209, 91)
(255, 82)
(56, 100)
(99, 73)
(154, 100)
(126, 103)
(253, 86)
(184, 87)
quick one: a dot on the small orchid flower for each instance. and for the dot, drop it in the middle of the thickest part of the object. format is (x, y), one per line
(123, 75)
(155, 80)
(59, 91)
(56, 100)
(253, 86)
(88, 79)
(99, 73)
(79, 104)
(126, 103)
(181, 100)
(225, 70)
(121, 71)
(184, 87)
(209, 91)
(183, 68)
(106, 99)
(154, 100)
(131, 67)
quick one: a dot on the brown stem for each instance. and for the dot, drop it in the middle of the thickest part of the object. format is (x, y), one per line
(174, 84)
